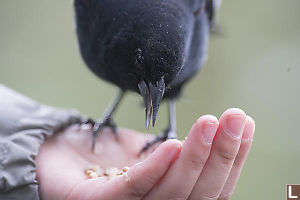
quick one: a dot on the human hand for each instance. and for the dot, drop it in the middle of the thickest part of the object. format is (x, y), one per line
(194, 169)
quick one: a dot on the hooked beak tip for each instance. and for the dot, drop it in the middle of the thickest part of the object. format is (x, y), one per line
(148, 118)
(152, 96)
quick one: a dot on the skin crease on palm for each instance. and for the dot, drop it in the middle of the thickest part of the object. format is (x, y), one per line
(205, 166)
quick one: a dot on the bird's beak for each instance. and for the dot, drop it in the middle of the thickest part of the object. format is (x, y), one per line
(145, 92)
(152, 95)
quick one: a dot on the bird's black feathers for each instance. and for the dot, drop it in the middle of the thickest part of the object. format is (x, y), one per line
(143, 41)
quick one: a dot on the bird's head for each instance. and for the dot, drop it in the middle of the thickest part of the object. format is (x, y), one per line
(145, 42)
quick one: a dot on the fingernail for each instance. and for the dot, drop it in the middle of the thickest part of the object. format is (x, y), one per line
(249, 130)
(208, 132)
(174, 152)
(234, 125)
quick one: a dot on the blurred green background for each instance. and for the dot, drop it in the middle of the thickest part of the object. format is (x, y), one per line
(253, 65)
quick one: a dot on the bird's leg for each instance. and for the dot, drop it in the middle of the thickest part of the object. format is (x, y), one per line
(106, 120)
(170, 132)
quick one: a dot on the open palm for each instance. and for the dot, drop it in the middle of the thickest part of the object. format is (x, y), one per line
(206, 166)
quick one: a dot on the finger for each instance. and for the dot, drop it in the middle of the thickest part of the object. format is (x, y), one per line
(223, 152)
(138, 180)
(239, 160)
(183, 174)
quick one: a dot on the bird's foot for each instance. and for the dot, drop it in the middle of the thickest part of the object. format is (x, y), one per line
(88, 121)
(99, 125)
(166, 135)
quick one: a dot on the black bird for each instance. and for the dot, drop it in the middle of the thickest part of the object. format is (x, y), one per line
(152, 47)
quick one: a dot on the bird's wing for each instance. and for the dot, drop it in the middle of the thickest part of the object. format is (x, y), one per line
(196, 5)
(197, 52)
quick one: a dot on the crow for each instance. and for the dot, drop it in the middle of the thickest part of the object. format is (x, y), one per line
(152, 47)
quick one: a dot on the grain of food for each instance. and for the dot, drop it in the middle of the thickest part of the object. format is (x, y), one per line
(91, 174)
(125, 169)
(111, 173)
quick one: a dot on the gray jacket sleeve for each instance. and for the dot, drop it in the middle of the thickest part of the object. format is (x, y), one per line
(24, 125)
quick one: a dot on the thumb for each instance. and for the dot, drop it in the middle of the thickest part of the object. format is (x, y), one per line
(141, 178)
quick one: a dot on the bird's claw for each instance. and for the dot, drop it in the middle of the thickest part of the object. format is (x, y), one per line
(166, 135)
(99, 125)
(88, 121)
